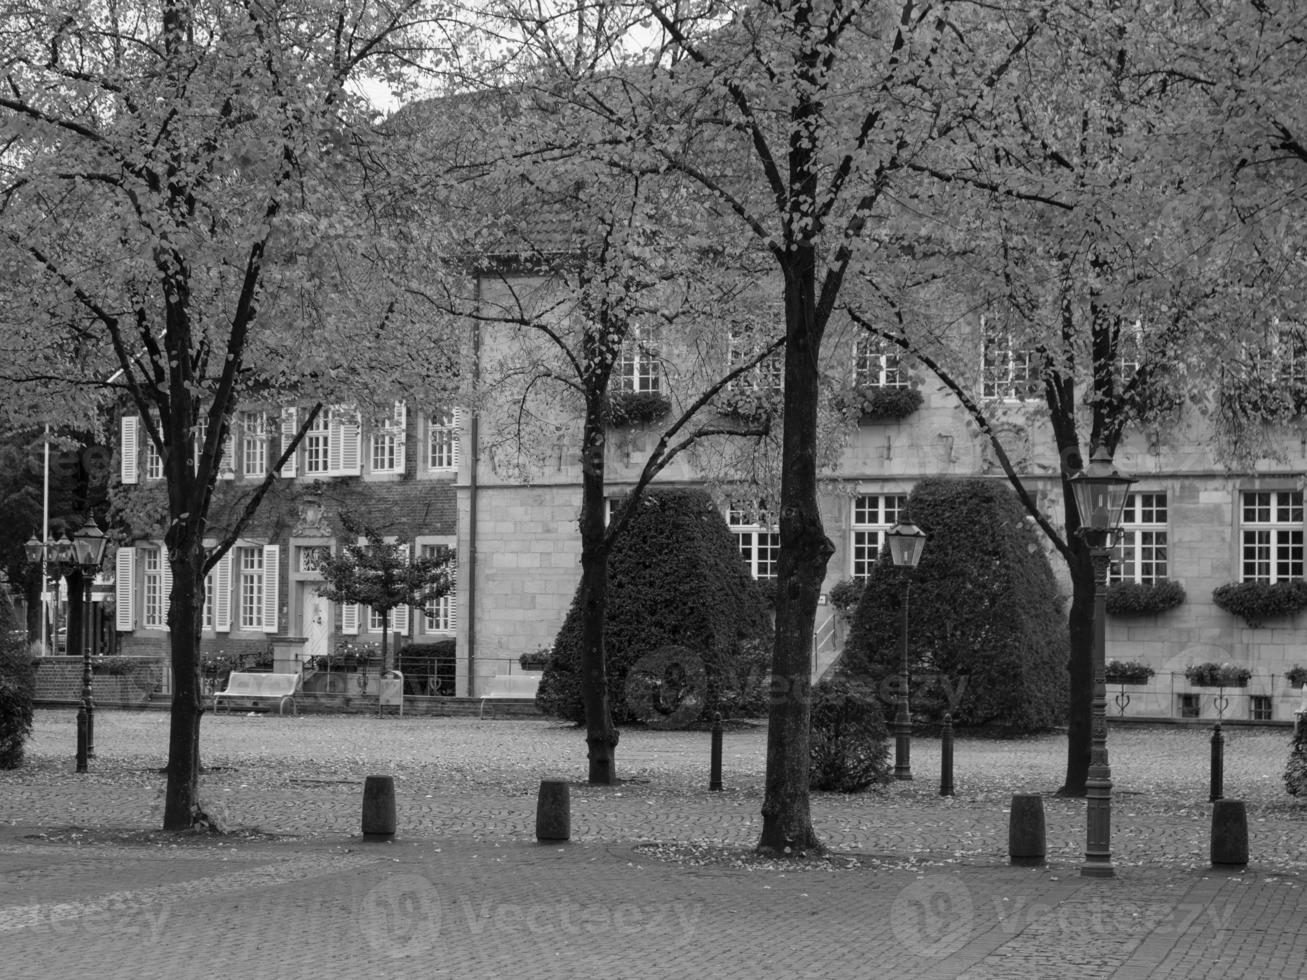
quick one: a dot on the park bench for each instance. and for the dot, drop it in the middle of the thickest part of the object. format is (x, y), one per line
(519, 686)
(260, 686)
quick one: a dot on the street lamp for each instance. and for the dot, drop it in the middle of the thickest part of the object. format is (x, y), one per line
(906, 543)
(1099, 492)
(56, 560)
(88, 552)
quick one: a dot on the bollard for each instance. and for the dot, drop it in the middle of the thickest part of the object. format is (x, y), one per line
(946, 757)
(1218, 764)
(1025, 836)
(378, 808)
(553, 811)
(1229, 834)
(715, 763)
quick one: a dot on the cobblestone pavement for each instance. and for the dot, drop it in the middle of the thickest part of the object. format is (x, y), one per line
(920, 886)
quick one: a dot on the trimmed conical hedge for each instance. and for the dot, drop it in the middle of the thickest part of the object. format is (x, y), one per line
(987, 634)
(679, 595)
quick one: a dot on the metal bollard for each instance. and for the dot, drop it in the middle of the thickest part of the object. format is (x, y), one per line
(1218, 764)
(715, 763)
(946, 757)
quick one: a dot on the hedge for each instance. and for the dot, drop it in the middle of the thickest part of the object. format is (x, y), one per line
(17, 687)
(678, 594)
(985, 615)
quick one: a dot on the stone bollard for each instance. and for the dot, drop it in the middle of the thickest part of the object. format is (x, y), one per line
(1218, 765)
(946, 757)
(1025, 835)
(1229, 834)
(553, 811)
(378, 808)
(715, 754)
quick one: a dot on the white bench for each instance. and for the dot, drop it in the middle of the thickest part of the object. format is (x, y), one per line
(261, 686)
(520, 686)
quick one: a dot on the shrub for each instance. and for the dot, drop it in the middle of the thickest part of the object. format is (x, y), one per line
(1295, 772)
(420, 664)
(675, 580)
(1137, 599)
(849, 750)
(1256, 602)
(878, 403)
(1124, 671)
(17, 688)
(984, 608)
(1217, 675)
(844, 595)
(629, 408)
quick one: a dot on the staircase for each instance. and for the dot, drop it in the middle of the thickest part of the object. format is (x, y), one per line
(827, 643)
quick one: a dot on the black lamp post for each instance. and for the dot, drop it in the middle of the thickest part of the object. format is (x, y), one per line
(56, 561)
(88, 552)
(906, 542)
(1099, 492)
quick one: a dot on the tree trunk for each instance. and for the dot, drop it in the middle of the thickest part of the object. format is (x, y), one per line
(1080, 623)
(805, 550)
(182, 796)
(601, 735)
(75, 643)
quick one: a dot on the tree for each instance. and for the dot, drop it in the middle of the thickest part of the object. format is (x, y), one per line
(194, 193)
(382, 575)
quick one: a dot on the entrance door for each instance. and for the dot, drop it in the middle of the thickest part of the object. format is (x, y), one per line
(315, 619)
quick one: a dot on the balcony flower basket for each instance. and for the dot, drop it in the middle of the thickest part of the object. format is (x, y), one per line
(1296, 675)
(756, 406)
(1127, 672)
(877, 403)
(1217, 675)
(628, 409)
(536, 659)
(1256, 602)
(1144, 599)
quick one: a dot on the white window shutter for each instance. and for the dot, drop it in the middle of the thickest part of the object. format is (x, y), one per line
(124, 585)
(347, 441)
(129, 465)
(456, 422)
(399, 616)
(401, 435)
(165, 567)
(349, 618)
(289, 423)
(271, 577)
(227, 466)
(222, 594)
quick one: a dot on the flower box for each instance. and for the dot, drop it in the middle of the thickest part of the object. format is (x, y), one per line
(1127, 672)
(1217, 675)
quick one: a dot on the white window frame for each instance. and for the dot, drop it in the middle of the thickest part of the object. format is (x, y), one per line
(153, 464)
(316, 446)
(438, 616)
(154, 591)
(639, 364)
(876, 365)
(386, 442)
(1270, 535)
(757, 538)
(768, 375)
(250, 575)
(254, 444)
(443, 441)
(1141, 554)
(333, 444)
(870, 516)
(1007, 372)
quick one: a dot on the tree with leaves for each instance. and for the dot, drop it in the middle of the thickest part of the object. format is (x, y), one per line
(383, 576)
(197, 196)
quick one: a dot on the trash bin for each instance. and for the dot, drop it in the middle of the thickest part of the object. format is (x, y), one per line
(391, 691)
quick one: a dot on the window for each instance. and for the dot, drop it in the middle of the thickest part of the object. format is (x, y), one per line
(873, 515)
(206, 613)
(153, 461)
(254, 443)
(442, 441)
(153, 599)
(767, 375)
(438, 615)
(1189, 705)
(332, 443)
(1141, 554)
(387, 455)
(250, 588)
(1259, 707)
(876, 364)
(1008, 371)
(758, 540)
(1271, 535)
(638, 366)
(317, 443)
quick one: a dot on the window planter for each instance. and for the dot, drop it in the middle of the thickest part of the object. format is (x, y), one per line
(1256, 602)
(1127, 672)
(753, 405)
(1217, 675)
(877, 403)
(626, 409)
(1296, 675)
(1136, 599)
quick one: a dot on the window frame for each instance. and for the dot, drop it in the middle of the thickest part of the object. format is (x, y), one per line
(1140, 541)
(876, 365)
(758, 540)
(1271, 535)
(859, 555)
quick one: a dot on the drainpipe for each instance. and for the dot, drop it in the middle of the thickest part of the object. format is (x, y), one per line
(474, 464)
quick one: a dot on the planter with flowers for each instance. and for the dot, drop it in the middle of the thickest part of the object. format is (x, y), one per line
(1217, 675)
(877, 403)
(1127, 672)
(1256, 602)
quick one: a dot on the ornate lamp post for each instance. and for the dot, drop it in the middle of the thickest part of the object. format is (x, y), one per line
(56, 560)
(1099, 492)
(88, 552)
(906, 543)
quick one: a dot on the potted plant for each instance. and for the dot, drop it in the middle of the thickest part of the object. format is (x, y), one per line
(1255, 602)
(536, 659)
(1143, 599)
(1296, 675)
(1217, 675)
(1127, 672)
